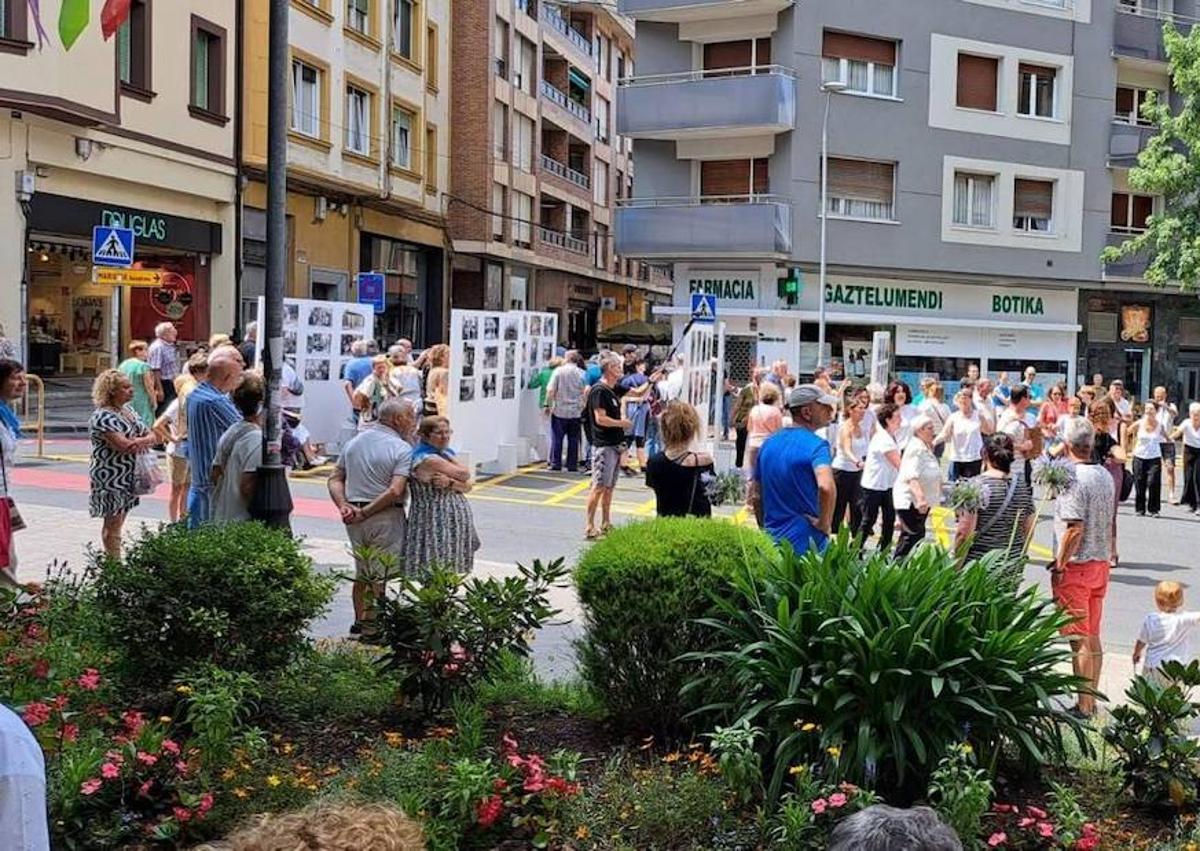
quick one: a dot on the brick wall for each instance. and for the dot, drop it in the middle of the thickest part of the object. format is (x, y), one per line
(470, 119)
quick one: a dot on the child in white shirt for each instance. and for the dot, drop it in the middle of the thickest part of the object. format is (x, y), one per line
(1166, 634)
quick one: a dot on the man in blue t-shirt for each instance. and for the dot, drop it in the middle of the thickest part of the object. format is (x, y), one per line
(792, 489)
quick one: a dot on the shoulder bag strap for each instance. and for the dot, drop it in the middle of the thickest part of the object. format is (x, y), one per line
(1008, 498)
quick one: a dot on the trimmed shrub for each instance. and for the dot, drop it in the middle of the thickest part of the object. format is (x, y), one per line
(642, 588)
(238, 596)
(883, 666)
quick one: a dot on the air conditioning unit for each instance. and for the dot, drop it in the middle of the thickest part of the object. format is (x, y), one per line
(608, 303)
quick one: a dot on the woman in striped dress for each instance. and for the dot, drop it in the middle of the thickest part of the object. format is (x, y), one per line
(441, 529)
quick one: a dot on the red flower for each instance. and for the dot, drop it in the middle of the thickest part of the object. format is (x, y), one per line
(109, 771)
(134, 721)
(115, 757)
(997, 839)
(35, 714)
(1005, 808)
(181, 814)
(144, 789)
(558, 786)
(1087, 843)
(837, 799)
(89, 680)
(488, 811)
(1089, 829)
(1045, 829)
(146, 758)
(41, 668)
(534, 783)
(181, 767)
(32, 630)
(1035, 812)
(499, 785)
(90, 787)
(70, 732)
(509, 743)
(206, 803)
(170, 747)
(60, 702)
(1026, 822)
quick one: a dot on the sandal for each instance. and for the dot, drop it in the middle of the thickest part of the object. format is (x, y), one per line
(606, 528)
(591, 534)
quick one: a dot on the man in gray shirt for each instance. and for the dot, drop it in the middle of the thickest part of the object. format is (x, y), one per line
(1083, 525)
(368, 486)
(163, 358)
(564, 398)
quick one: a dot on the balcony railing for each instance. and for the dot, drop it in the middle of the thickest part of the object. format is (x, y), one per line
(705, 74)
(559, 23)
(556, 95)
(529, 7)
(562, 240)
(760, 98)
(566, 172)
(1138, 30)
(715, 226)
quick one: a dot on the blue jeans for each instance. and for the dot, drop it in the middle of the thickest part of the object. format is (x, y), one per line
(199, 505)
(568, 427)
(652, 442)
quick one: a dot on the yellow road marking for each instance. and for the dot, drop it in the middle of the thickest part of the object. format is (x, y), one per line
(647, 508)
(573, 490)
(74, 459)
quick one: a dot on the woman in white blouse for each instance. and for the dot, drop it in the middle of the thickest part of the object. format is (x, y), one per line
(899, 394)
(1148, 436)
(850, 453)
(918, 486)
(963, 434)
(879, 474)
(1189, 430)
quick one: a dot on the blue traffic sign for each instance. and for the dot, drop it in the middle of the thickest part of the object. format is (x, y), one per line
(372, 290)
(704, 307)
(112, 246)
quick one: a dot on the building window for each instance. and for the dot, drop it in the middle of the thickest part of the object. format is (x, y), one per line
(1130, 213)
(861, 189)
(524, 79)
(600, 182)
(974, 200)
(403, 28)
(523, 131)
(601, 256)
(358, 121)
(133, 46)
(500, 130)
(978, 82)
(736, 180)
(306, 99)
(358, 16)
(500, 48)
(601, 119)
(1129, 103)
(13, 20)
(867, 66)
(498, 208)
(431, 159)
(1033, 205)
(522, 219)
(1036, 91)
(403, 122)
(208, 69)
(431, 58)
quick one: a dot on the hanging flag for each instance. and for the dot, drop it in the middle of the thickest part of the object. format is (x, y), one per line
(113, 15)
(72, 21)
(35, 11)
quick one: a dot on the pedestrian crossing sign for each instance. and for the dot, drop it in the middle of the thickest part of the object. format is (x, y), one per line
(112, 246)
(704, 307)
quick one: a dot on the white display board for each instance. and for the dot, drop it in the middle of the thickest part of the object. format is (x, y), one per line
(317, 336)
(881, 358)
(493, 354)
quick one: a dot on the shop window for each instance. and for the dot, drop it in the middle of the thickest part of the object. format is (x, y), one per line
(1033, 205)
(974, 200)
(358, 121)
(978, 82)
(1036, 92)
(1189, 332)
(328, 285)
(861, 189)
(1129, 103)
(208, 71)
(403, 123)
(867, 66)
(1130, 213)
(133, 49)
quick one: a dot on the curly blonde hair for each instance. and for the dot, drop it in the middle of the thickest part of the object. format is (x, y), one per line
(106, 385)
(369, 827)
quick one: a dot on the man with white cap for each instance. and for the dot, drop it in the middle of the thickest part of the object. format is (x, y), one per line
(792, 490)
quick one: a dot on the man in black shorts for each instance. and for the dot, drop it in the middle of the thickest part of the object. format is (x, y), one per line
(608, 441)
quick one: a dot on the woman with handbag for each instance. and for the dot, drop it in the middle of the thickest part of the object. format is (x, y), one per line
(1004, 516)
(12, 388)
(677, 475)
(122, 463)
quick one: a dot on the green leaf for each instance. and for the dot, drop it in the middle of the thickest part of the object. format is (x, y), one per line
(72, 21)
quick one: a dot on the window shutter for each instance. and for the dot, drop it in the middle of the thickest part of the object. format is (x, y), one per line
(860, 47)
(861, 180)
(1124, 100)
(977, 81)
(1143, 208)
(727, 54)
(1040, 70)
(724, 177)
(762, 182)
(1119, 218)
(1033, 198)
(763, 51)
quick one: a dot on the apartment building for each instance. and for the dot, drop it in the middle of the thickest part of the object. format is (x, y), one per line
(537, 164)
(135, 131)
(977, 166)
(368, 156)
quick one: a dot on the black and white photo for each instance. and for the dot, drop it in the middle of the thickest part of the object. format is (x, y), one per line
(466, 390)
(491, 357)
(470, 328)
(316, 370)
(468, 360)
(491, 327)
(321, 317)
(489, 385)
(511, 329)
(508, 389)
(352, 321)
(319, 344)
(510, 359)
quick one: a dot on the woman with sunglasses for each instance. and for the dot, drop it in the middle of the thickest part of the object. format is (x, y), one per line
(441, 528)
(1053, 409)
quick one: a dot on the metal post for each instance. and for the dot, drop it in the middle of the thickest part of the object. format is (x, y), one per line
(824, 211)
(272, 501)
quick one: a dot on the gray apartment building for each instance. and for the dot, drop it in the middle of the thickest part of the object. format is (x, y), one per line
(978, 153)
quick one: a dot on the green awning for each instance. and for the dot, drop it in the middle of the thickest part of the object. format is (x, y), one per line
(578, 79)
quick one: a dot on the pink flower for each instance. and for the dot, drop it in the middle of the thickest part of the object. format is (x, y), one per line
(89, 680)
(90, 787)
(1087, 843)
(1005, 808)
(206, 803)
(488, 811)
(146, 758)
(450, 668)
(558, 786)
(181, 766)
(134, 721)
(36, 714)
(70, 732)
(41, 668)
(115, 757)
(534, 783)
(819, 805)
(1045, 829)
(509, 743)
(181, 814)
(144, 789)
(1026, 822)
(997, 839)
(1035, 812)
(837, 799)
(109, 771)
(169, 747)
(1089, 829)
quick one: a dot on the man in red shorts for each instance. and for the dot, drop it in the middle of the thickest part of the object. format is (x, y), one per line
(1083, 516)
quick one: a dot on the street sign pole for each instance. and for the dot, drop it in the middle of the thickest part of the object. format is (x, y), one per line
(272, 501)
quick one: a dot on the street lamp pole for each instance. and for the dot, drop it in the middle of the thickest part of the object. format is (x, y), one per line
(829, 88)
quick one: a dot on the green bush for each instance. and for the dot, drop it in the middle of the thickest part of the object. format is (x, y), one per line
(334, 680)
(237, 596)
(641, 588)
(886, 665)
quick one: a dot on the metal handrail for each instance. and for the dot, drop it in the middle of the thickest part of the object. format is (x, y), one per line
(556, 95)
(565, 172)
(707, 73)
(38, 424)
(562, 240)
(703, 200)
(1156, 14)
(558, 22)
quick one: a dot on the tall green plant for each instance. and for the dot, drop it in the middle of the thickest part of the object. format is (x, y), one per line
(885, 665)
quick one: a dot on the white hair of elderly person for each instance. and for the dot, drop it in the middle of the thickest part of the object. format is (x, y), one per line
(884, 828)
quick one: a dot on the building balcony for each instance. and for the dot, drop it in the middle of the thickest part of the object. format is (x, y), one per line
(734, 226)
(562, 240)
(678, 11)
(577, 179)
(558, 24)
(691, 104)
(558, 97)
(1138, 35)
(1126, 141)
(1130, 267)
(529, 7)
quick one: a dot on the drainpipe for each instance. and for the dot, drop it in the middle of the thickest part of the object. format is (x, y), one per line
(238, 156)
